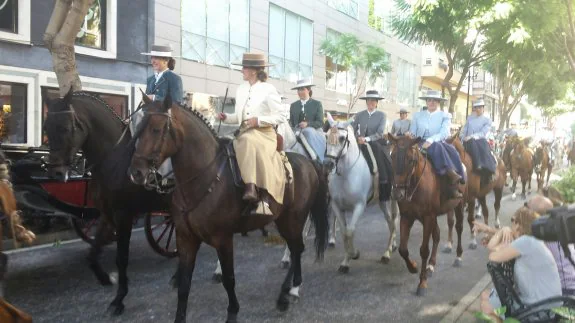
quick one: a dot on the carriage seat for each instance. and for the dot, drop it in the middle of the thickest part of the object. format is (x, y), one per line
(502, 277)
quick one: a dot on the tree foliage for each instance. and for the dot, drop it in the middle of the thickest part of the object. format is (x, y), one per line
(454, 27)
(370, 61)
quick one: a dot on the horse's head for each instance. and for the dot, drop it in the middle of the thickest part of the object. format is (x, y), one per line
(157, 140)
(338, 142)
(404, 161)
(66, 135)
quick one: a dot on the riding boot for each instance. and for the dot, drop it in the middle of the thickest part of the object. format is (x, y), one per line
(263, 207)
(250, 193)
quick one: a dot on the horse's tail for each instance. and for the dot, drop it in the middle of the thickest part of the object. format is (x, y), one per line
(320, 213)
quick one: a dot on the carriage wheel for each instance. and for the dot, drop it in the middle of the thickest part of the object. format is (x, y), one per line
(86, 226)
(161, 233)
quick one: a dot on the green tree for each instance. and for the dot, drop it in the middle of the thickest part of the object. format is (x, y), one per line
(368, 60)
(454, 27)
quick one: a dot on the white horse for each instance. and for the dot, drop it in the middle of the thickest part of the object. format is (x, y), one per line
(351, 188)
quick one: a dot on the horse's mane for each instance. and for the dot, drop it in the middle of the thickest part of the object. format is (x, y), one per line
(198, 115)
(99, 100)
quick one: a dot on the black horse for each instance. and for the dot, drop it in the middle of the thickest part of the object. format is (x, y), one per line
(86, 122)
(207, 205)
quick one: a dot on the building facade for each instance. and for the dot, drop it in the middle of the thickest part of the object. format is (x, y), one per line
(108, 57)
(433, 71)
(485, 86)
(208, 35)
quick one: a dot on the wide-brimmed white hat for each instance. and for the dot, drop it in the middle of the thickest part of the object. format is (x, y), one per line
(432, 94)
(403, 110)
(372, 95)
(303, 83)
(160, 51)
(478, 103)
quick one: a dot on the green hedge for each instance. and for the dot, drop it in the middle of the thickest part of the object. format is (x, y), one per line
(566, 186)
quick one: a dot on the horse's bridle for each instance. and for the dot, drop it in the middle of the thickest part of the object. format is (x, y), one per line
(414, 162)
(75, 121)
(152, 182)
(340, 154)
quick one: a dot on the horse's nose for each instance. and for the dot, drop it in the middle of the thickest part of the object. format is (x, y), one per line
(58, 174)
(328, 165)
(136, 175)
(399, 194)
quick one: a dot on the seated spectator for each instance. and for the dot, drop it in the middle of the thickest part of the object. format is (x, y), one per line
(535, 274)
(541, 205)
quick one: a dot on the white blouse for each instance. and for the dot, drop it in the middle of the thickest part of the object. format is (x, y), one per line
(260, 100)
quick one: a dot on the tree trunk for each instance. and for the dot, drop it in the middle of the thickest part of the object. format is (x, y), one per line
(60, 37)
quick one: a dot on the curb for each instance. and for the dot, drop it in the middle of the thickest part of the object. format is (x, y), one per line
(467, 300)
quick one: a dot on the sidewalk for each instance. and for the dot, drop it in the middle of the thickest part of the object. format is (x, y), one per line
(465, 310)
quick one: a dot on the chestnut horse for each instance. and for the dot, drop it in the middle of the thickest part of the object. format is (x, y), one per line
(476, 191)
(419, 193)
(207, 205)
(521, 165)
(543, 165)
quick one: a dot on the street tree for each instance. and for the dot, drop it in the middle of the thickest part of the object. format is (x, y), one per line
(454, 27)
(60, 36)
(369, 61)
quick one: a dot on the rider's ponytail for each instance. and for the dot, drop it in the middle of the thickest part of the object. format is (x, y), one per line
(262, 75)
(171, 64)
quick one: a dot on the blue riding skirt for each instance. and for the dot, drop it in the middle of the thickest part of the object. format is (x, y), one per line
(445, 157)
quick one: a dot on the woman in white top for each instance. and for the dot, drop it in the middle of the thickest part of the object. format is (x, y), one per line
(258, 109)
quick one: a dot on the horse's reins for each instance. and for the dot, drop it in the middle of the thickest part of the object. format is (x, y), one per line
(410, 176)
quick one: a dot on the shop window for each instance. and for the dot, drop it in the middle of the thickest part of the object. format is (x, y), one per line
(13, 120)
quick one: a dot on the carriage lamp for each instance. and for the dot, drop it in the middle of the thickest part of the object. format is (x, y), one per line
(7, 108)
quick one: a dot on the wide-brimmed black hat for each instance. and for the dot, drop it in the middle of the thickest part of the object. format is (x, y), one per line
(253, 60)
(372, 95)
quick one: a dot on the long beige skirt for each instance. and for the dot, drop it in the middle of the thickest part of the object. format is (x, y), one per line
(259, 161)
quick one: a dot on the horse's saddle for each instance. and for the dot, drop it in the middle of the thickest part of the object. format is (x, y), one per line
(306, 146)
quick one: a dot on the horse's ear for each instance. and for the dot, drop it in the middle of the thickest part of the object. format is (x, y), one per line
(145, 97)
(417, 140)
(68, 97)
(391, 137)
(167, 103)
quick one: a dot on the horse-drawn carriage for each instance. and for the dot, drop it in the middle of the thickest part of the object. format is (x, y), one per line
(42, 199)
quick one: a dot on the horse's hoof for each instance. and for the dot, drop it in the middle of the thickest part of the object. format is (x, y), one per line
(429, 272)
(356, 256)
(331, 244)
(473, 245)
(478, 216)
(285, 264)
(244, 234)
(458, 263)
(513, 196)
(421, 291)
(497, 225)
(393, 248)
(265, 233)
(232, 318)
(412, 270)
(447, 250)
(282, 305)
(105, 280)
(217, 278)
(523, 197)
(174, 282)
(385, 260)
(343, 269)
(116, 309)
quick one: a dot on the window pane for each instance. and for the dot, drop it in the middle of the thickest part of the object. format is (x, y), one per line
(193, 47)
(194, 16)
(277, 70)
(217, 52)
(305, 71)
(217, 18)
(291, 71)
(9, 16)
(292, 37)
(13, 114)
(306, 42)
(276, 31)
(93, 31)
(330, 73)
(240, 22)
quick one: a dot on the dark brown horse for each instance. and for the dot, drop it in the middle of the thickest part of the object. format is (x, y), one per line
(521, 166)
(543, 165)
(420, 194)
(477, 191)
(510, 143)
(207, 206)
(82, 121)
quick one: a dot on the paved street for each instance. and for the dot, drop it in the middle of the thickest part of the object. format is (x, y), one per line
(55, 285)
